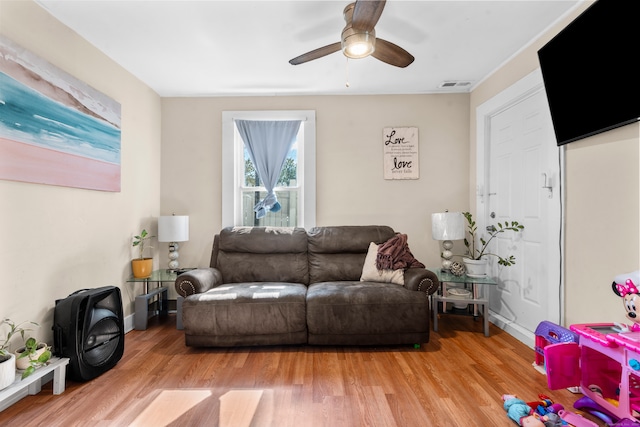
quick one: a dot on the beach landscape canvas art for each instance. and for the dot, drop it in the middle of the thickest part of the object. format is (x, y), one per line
(55, 129)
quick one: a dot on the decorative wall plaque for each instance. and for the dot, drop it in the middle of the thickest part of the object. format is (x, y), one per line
(401, 154)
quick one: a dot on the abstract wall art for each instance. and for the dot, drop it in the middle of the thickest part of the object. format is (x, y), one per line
(55, 129)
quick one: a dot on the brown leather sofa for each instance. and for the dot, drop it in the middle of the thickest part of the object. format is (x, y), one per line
(274, 286)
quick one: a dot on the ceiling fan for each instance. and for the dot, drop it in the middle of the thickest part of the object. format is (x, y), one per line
(359, 38)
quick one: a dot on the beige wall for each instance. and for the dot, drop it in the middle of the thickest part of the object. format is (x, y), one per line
(56, 240)
(603, 215)
(602, 200)
(350, 184)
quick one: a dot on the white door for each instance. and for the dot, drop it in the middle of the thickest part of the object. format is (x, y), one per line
(521, 182)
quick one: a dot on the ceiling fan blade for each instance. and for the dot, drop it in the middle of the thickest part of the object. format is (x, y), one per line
(366, 14)
(317, 53)
(392, 54)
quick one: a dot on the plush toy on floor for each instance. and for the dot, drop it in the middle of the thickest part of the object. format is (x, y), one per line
(520, 412)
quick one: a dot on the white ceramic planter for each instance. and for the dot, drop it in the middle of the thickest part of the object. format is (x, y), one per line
(459, 294)
(7, 372)
(475, 267)
(22, 363)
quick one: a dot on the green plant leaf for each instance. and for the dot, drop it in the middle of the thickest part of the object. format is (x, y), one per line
(44, 357)
(30, 370)
(31, 344)
(493, 231)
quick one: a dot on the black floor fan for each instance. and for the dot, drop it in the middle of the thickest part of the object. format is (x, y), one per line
(88, 328)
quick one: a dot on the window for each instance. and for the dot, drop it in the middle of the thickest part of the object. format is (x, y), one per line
(242, 189)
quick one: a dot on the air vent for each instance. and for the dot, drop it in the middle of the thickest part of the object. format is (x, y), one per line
(449, 84)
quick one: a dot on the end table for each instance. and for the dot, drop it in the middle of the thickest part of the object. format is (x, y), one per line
(142, 312)
(479, 295)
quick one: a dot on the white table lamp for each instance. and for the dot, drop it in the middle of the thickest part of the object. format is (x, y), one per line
(173, 229)
(447, 226)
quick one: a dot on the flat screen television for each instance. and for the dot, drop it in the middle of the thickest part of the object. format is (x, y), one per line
(591, 71)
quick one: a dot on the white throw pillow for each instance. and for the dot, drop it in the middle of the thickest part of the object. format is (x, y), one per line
(370, 272)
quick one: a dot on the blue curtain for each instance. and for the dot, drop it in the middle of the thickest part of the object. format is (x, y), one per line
(268, 143)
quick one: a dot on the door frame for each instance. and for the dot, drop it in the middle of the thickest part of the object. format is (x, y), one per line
(523, 88)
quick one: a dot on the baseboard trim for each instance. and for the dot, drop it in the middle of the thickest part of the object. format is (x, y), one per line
(517, 331)
(128, 323)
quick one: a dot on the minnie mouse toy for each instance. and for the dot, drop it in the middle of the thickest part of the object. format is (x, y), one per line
(626, 287)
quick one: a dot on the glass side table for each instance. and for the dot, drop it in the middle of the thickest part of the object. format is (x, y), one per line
(479, 296)
(142, 312)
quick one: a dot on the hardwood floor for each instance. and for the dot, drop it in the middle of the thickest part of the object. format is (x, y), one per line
(457, 379)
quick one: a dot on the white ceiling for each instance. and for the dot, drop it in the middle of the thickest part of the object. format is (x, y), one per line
(234, 48)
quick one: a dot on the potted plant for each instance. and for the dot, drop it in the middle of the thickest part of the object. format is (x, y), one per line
(31, 356)
(141, 266)
(475, 259)
(8, 359)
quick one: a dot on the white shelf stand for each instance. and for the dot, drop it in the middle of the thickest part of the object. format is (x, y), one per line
(31, 385)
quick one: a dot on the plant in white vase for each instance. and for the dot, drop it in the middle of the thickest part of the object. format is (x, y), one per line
(31, 356)
(7, 359)
(476, 252)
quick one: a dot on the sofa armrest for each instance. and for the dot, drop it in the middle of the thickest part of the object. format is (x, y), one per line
(197, 281)
(421, 279)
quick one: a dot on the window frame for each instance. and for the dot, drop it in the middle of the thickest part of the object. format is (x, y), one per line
(233, 163)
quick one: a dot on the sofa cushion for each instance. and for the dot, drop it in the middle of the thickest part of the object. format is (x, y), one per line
(247, 309)
(338, 253)
(262, 254)
(365, 308)
(370, 272)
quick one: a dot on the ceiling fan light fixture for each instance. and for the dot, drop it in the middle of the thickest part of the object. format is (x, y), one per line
(358, 44)
(358, 38)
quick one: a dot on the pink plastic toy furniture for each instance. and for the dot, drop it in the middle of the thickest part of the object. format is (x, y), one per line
(548, 333)
(606, 364)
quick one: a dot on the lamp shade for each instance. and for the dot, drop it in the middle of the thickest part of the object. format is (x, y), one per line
(447, 226)
(174, 228)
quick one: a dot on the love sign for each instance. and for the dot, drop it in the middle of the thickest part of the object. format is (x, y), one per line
(401, 155)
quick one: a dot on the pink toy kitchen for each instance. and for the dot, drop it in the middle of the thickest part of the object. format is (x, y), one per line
(605, 363)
